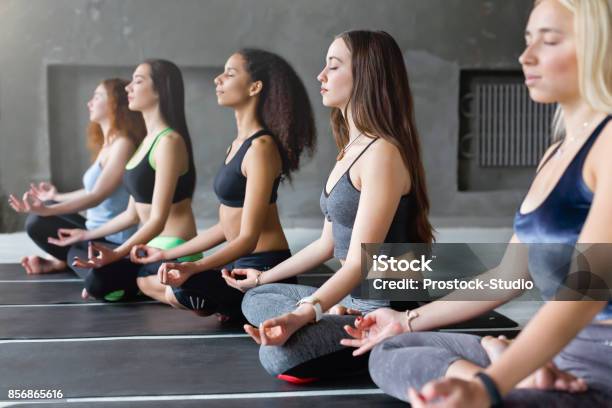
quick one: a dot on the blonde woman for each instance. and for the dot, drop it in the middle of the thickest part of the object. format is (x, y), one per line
(568, 61)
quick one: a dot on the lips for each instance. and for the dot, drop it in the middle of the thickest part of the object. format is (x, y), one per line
(323, 90)
(531, 79)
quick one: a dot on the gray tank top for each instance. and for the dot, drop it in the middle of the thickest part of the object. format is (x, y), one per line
(340, 208)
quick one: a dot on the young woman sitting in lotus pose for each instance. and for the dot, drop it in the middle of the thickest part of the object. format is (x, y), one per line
(114, 132)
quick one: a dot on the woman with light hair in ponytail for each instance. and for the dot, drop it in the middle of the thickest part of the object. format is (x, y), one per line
(567, 345)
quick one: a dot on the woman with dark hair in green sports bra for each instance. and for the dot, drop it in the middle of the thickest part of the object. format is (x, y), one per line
(160, 178)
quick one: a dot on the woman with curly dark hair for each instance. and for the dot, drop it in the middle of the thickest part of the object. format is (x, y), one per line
(275, 126)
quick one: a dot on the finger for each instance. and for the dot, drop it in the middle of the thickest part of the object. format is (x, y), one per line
(58, 242)
(167, 268)
(225, 274)
(229, 280)
(25, 203)
(160, 276)
(353, 312)
(253, 332)
(276, 321)
(352, 342)
(438, 389)
(416, 400)
(79, 263)
(239, 272)
(263, 335)
(14, 201)
(15, 206)
(365, 322)
(368, 344)
(90, 250)
(353, 332)
(64, 232)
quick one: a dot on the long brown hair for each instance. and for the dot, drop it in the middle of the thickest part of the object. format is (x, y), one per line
(381, 104)
(123, 122)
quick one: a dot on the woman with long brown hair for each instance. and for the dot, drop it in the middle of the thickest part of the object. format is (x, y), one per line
(375, 193)
(113, 134)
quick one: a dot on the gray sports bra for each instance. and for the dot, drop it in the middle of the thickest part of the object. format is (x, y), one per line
(340, 207)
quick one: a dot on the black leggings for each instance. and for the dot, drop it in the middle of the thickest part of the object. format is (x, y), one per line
(40, 228)
(112, 282)
(208, 292)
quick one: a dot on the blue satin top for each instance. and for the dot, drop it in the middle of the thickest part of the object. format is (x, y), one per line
(559, 220)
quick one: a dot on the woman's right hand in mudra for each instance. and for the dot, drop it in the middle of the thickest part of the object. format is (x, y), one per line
(247, 278)
(143, 254)
(44, 191)
(373, 328)
(29, 203)
(68, 236)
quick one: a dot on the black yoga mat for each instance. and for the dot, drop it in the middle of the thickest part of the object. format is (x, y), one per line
(67, 321)
(146, 367)
(336, 401)
(13, 271)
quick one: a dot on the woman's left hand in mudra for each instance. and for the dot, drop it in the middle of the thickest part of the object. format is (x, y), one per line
(276, 331)
(175, 274)
(98, 255)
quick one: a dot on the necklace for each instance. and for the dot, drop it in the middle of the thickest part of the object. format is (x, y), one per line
(571, 139)
(343, 151)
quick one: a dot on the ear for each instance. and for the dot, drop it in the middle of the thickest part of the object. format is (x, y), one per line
(255, 88)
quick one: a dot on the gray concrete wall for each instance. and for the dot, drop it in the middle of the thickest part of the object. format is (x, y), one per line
(53, 52)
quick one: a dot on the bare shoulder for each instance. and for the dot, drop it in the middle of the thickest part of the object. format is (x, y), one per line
(122, 143)
(264, 141)
(263, 146)
(384, 154)
(172, 141)
(603, 147)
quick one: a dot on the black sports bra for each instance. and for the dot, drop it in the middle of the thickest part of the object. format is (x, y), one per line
(230, 183)
(139, 179)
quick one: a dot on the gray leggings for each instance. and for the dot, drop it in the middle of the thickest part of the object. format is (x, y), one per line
(413, 359)
(314, 350)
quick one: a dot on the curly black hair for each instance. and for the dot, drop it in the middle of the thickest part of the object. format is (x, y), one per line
(283, 107)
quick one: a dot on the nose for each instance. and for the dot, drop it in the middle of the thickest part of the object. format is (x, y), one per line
(128, 87)
(527, 57)
(217, 80)
(322, 77)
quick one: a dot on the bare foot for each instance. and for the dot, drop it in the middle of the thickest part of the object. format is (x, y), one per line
(85, 294)
(548, 377)
(36, 265)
